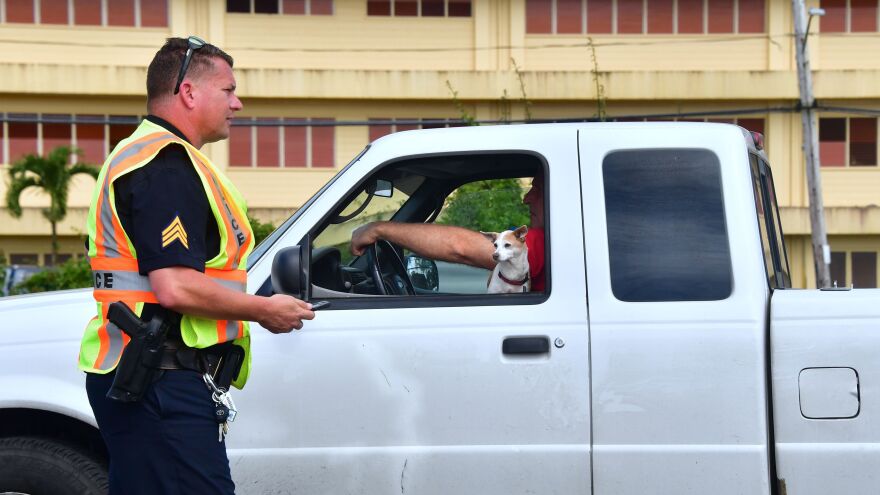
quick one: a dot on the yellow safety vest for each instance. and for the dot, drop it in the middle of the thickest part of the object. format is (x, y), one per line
(114, 261)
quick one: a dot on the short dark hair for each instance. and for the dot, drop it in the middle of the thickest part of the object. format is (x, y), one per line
(163, 70)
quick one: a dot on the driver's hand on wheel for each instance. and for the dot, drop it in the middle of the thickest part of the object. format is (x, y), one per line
(364, 236)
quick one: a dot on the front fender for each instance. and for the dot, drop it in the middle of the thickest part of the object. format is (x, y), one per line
(37, 392)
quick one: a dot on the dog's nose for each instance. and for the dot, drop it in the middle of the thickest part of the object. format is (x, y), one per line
(495, 256)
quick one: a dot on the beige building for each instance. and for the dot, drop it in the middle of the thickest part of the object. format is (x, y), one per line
(73, 73)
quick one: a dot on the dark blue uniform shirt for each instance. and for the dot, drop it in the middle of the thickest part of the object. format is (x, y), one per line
(151, 200)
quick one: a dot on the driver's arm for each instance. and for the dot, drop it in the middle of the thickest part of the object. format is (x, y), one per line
(438, 242)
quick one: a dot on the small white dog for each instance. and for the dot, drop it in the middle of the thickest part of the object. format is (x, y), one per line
(511, 272)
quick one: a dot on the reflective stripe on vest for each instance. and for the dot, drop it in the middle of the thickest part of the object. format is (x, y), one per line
(115, 280)
(114, 261)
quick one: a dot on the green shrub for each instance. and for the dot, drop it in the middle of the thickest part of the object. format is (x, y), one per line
(72, 274)
(490, 206)
(261, 230)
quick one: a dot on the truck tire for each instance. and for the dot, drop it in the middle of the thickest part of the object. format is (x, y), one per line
(37, 466)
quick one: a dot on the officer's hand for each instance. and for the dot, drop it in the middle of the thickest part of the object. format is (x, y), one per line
(285, 313)
(363, 236)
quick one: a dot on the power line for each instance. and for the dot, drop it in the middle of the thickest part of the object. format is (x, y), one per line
(859, 111)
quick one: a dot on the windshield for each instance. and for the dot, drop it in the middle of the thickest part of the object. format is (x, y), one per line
(267, 243)
(363, 209)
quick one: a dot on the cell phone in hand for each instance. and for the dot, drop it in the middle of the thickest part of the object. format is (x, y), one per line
(316, 305)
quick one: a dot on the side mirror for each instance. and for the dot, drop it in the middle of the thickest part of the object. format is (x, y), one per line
(289, 272)
(423, 273)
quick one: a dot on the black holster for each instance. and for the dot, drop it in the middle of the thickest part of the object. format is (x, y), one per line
(228, 367)
(140, 359)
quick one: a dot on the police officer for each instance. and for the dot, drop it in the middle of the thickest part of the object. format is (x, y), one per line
(169, 232)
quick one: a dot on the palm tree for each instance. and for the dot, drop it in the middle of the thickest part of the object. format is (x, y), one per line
(52, 174)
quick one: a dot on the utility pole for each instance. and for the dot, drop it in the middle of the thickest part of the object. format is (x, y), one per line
(821, 250)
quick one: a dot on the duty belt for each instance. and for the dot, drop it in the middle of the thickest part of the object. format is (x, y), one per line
(178, 356)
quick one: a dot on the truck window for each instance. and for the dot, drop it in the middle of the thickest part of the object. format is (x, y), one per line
(761, 209)
(775, 256)
(479, 192)
(667, 236)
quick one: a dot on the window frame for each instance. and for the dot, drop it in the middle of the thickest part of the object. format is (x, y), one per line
(847, 143)
(430, 300)
(762, 180)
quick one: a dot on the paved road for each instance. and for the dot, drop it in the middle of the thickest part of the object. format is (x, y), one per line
(462, 279)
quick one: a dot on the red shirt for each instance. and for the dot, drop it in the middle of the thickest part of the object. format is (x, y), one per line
(535, 243)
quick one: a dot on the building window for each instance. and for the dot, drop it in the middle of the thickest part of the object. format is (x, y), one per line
(88, 12)
(119, 128)
(849, 16)
(848, 141)
(120, 13)
(54, 12)
(60, 258)
(57, 131)
(21, 136)
(289, 7)
(24, 259)
(645, 16)
(90, 138)
(124, 13)
(419, 8)
(272, 144)
(854, 268)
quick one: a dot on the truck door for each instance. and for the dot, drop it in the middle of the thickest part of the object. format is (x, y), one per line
(428, 393)
(677, 303)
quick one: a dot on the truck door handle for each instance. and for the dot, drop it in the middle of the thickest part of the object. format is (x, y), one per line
(525, 345)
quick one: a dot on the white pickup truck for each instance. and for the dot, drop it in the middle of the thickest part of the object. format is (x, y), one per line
(668, 353)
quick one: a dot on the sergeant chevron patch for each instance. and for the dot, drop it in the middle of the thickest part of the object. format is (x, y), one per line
(174, 232)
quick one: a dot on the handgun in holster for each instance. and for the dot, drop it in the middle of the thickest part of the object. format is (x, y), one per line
(141, 357)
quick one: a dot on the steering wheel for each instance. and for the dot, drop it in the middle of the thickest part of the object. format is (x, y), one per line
(382, 253)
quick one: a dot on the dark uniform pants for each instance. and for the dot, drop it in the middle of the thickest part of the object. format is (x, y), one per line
(167, 442)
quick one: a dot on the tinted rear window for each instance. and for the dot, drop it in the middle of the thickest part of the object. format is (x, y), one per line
(667, 237)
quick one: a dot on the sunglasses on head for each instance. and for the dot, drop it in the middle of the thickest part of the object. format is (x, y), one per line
(194, 44)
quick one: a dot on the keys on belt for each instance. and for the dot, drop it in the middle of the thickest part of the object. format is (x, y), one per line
(224, 407)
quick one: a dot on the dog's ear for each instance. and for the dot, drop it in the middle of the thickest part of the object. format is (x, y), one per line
(490, 235)
(521, 232)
